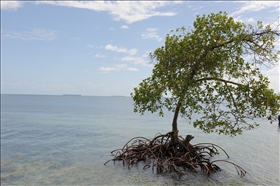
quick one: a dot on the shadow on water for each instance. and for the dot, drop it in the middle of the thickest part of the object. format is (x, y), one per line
(137, 176)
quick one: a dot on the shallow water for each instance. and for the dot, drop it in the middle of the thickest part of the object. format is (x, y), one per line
(65, 140)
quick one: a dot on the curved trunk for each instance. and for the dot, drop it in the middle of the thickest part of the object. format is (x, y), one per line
(175, 131)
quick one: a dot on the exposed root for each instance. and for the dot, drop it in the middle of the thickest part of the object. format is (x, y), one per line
(164, 156)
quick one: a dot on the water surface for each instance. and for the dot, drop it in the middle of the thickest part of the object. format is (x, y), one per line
(65, 140)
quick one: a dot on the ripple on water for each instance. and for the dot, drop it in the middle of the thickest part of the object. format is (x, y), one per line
(62, 146)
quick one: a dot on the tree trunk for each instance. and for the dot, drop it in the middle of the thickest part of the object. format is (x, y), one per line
(175, 131)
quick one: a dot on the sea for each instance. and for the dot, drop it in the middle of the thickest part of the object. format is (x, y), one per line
(66, 139)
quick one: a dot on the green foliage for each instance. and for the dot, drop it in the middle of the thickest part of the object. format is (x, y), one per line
(213, 70)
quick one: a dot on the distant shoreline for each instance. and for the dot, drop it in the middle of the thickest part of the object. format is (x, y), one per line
(71, 95)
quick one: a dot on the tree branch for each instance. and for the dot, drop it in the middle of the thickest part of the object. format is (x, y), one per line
(218, 79)
(245, 39)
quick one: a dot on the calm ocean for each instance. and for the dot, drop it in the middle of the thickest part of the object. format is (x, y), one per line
(65, 140)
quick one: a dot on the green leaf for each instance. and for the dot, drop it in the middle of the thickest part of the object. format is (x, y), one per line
(206, 70)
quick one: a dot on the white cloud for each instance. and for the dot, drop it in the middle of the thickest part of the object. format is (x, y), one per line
(117, 68)
(244, 11)
(11, 5)
(93, 46)
(132, 69)
(255, 6)
(114, 68)
(251, 20)
(121, 49)
(107, 69)
(124, 27)
(196, 8)
(90, 46)
(100, 55)
(137, 60)
(151, 33)
(128, 11)
(111, 28)
(244, 19)
(121, 66)
(34, 34)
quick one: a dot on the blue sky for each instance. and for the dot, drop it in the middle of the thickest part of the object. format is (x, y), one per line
(100, 48)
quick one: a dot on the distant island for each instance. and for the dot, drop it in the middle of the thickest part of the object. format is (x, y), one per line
(71, 95)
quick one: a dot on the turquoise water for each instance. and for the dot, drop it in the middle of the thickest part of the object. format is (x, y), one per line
(65, 140)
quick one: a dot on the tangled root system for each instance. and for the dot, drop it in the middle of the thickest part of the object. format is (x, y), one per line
(162, 154)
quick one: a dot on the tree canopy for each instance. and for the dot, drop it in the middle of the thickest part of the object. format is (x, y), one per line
(213, 70)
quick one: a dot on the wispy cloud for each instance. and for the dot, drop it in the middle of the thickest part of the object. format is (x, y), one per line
(132, 69)
(117, 68)
(90, 46)
(137, 60)
(107, 69)
(196, 8)
(124, 27)
(244, 19)
(255, 6)
(34, 34)
(121, 49)
(128, 11)
(11, 5)
(246, 8)
(93, 46)
(151, 33)
(100, 56)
